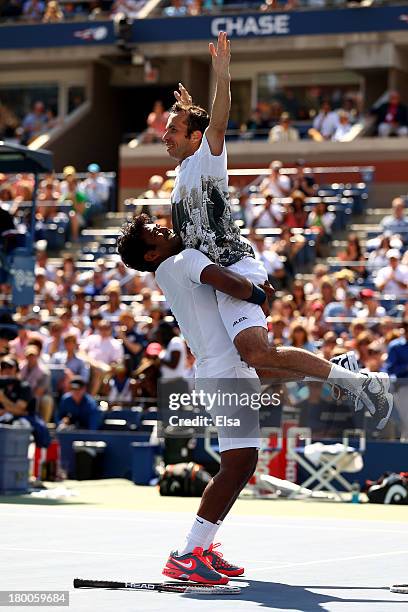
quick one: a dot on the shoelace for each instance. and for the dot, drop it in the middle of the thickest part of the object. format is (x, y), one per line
(362, 390)
(217, 553)
(337, 392)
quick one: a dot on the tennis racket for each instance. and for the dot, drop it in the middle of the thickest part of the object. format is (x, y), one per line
(399, 588)
(162, 587)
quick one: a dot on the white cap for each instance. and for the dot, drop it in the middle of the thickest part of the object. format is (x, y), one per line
(393, 253)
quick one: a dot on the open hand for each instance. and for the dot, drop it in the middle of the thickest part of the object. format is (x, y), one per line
(221, 56)
(182, 95)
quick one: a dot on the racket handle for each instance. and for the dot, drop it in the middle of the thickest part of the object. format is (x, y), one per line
(399, 588)
(101, 584)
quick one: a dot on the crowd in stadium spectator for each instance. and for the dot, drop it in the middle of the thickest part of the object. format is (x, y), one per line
(287, 119)
(331, 118)
(319, 117)
(25, 130)
(53, 11)
(105, 332)
(69, 204)
(283, 119)
(180, 8)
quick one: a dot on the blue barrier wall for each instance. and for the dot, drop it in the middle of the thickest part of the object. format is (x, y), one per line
(57, 35)
(277, 24)
(341, 21)
(118, 454)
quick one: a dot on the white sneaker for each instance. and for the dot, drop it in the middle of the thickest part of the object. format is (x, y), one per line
(347, 361)
(374, 395)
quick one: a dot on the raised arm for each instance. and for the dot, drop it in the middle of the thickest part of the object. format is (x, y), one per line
(237, 286)
(221, 57)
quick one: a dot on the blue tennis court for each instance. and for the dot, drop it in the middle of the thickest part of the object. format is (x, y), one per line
(297, 556)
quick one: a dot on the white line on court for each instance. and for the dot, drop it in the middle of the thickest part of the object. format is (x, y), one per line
(77, 552)
(333, 560)
(61, 513)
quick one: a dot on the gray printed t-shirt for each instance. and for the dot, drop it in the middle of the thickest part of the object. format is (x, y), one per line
(201, 212)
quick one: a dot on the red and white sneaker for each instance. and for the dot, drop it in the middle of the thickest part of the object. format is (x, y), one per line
(220, 564)
(193, 567)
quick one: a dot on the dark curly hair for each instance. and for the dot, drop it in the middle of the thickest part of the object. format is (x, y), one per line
(197, 117)
(131, 247)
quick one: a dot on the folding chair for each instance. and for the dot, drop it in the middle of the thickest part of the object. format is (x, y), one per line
(329, 466)
(329, 420)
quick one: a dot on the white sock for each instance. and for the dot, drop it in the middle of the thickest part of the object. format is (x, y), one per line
(211, 536)
(201, 532)
(352, 381)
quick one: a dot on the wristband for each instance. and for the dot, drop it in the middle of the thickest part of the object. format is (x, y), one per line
(258, 296)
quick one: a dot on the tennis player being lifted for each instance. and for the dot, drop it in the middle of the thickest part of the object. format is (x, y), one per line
(202, 218)
(202, 221)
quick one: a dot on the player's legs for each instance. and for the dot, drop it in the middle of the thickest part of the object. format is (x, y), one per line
(251, 472)
(239, 439)
(370, 392)
(236, 468)
(254, 348)
(246, 325)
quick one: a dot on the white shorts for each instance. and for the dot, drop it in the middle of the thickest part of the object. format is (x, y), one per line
(237, 423)
(238, 315)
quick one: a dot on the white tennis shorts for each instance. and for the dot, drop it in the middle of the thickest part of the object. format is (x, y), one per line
(238, 315)
(229, 405)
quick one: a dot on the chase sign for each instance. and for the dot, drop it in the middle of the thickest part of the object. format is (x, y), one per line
(252, 25)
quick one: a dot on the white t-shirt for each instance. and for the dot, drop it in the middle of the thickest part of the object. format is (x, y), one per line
(341, 131)
(111, 316)
(201, 211)
(97, 189)
(327, 123)
(379, 312)
(392, 287)
(277, 188)
(195, 307)
(107, 350)
(265, 217)
(180, 371)
(278, 134)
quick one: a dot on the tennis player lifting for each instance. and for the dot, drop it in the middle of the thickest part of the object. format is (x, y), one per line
(202, 220)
